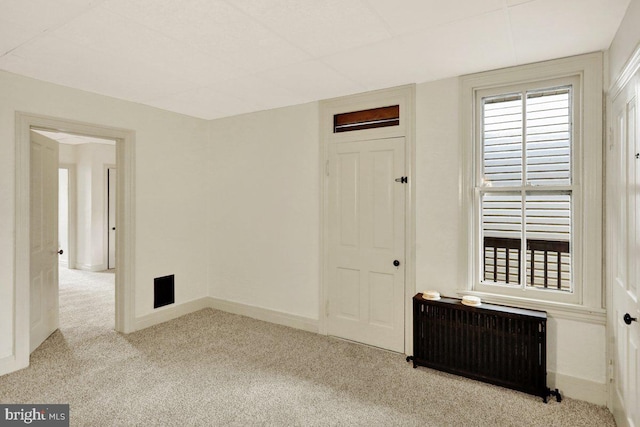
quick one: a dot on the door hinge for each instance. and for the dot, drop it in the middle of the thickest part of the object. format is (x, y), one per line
(402, 180)
(326, 309)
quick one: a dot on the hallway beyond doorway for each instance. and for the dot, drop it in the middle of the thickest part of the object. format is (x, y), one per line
(87, 300)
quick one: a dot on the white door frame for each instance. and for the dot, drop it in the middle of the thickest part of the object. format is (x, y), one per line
(124, 283)
(404, 96)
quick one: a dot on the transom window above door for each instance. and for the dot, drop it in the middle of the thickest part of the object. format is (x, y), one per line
(367, 119)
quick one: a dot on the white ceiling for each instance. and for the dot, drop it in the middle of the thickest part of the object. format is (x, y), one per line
(216, 58)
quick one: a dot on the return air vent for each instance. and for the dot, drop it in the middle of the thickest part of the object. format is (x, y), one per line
(367, 119)
(163, 291)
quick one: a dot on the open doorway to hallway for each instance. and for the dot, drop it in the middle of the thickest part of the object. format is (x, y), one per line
(87, 301)
(27, 226)
(86, 217)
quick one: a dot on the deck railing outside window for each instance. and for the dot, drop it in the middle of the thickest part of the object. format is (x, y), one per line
(548, 262)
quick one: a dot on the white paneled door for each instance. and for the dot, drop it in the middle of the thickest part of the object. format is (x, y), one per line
(623, 216)
(366, 242)
(44, 239)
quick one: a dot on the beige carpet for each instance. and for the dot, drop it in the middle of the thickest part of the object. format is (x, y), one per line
(213, 368)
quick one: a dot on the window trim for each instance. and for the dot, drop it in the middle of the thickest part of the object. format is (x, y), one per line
(587, 300)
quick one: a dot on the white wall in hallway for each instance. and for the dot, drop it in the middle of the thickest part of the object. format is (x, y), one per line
(63, 216)
(90, 183)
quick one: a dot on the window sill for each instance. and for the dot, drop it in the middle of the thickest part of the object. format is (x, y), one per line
(557, 310)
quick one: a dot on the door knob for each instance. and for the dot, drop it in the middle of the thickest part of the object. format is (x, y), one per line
(113, 228)
(628, 319)
(60, 251)
(396, 263)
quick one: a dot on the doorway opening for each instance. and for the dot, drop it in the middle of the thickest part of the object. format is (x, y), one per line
(124, 158)
(86, 204)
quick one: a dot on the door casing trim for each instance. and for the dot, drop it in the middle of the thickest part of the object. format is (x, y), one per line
(405, 97)
(124, 288)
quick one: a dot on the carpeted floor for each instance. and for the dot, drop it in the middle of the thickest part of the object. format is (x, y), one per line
(212, 368)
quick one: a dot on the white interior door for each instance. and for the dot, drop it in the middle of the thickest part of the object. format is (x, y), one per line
(111, 221)
(43, 239)
(366, 236)
(623, 208)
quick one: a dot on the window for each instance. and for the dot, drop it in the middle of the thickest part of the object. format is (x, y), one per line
(525, 188)
(367, 119)
(532, 170)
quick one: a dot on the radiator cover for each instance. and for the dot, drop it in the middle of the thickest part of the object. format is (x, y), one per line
(501, 345)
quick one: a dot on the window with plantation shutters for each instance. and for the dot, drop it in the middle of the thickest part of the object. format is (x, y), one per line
(531, 225)
(525, 188)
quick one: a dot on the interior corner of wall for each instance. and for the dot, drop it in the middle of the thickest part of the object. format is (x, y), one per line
(578, 388)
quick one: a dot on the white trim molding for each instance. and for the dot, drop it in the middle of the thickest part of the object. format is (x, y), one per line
(596, 316)
(9, 364)
(170, 312)
(91, 267)
(569, 386)
(125, 150)
(272, 316)
(628, 72)
(173, 311)
(578, 388)
(588, 302)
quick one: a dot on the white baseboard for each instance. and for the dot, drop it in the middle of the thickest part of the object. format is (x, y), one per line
(575, 388)
(578, 388)
(89, 267)
(173, 311)
(170, 312)
(265, 314)
(10, 364)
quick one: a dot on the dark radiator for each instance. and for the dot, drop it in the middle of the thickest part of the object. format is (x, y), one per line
(501, 345)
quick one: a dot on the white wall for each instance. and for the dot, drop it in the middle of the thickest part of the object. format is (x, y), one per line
(170, 205)
(264, 208)
(437, 186)
(626, 40)
(63, 216)
(264, 223)
(90, 161)
(242, 225)
(576, 352)
(91, 203)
